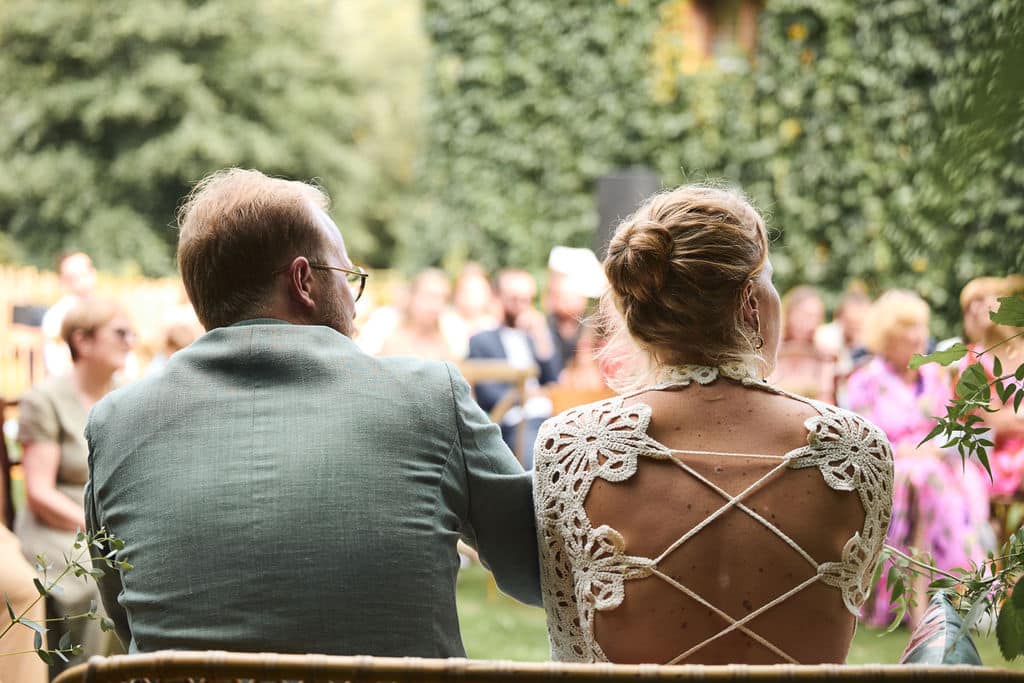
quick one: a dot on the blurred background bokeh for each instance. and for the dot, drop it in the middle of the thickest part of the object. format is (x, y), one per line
(882, 139)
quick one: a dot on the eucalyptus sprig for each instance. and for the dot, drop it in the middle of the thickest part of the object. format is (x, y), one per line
(988, 587)
(979, 589)
(962, 425)
(73, 565)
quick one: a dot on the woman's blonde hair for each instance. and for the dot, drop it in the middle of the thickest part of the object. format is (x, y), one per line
(895, 310)
(1011, 285)
(86, 317)
(982, 288)
(678, 270)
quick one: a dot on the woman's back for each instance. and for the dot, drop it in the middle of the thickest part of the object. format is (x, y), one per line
(660, 543)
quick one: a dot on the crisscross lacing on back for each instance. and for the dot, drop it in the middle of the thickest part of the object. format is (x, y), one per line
(584, 568)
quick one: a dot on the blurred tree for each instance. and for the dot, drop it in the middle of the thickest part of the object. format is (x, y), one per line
(884, 140)
(890, 142)
(110, 111)
(385, 50)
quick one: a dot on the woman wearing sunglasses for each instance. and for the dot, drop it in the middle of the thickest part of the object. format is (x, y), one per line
(51, 429)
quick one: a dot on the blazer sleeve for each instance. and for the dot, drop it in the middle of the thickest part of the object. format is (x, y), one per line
(498, 514)
(110, 583)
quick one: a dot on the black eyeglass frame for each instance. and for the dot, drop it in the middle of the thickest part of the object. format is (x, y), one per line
(351, 274)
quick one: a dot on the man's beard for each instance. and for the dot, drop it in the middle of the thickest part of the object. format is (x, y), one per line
(331, 313)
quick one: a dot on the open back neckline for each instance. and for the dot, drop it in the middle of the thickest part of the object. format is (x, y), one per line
(604, 439)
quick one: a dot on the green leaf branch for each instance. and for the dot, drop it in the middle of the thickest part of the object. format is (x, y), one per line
(977, 590)
(988, 587)
(74, 565)
(962, 426)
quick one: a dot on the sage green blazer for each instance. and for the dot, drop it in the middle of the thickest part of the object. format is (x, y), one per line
(279, 490)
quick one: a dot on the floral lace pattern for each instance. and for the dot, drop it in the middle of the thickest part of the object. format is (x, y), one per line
(584, 569)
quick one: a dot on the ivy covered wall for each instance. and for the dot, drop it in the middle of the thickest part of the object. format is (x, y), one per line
(884, 140)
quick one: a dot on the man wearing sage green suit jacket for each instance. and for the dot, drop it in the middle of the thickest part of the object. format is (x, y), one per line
(276, 488)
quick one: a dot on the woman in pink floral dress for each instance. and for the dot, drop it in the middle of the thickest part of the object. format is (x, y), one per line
(940, 505)
(979, 298)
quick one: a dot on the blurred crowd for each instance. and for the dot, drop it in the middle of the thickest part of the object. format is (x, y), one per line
(552, 336)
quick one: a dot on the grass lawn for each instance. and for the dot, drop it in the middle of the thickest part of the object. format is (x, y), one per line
(497, 627)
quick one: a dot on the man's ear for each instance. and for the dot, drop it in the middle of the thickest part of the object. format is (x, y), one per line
(300, 283)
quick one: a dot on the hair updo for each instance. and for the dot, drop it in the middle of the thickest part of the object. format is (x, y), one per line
(678, 269)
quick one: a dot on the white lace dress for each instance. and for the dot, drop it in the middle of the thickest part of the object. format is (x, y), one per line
(583, 568)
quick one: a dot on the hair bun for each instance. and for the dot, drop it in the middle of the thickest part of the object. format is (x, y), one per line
(638, 259)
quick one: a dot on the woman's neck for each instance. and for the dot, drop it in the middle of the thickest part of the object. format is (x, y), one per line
(91, 383)
(903, 371)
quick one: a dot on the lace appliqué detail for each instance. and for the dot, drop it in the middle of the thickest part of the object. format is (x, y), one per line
(701, 374)
(603, 570)
(852, 455)
(584, 569)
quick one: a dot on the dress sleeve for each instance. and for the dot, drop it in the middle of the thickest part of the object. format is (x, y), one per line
(853, 454)
(565, 635)
(499, 510)
(37, 419)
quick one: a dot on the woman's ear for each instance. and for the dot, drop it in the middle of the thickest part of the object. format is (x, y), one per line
(748, 308)
(78, 340)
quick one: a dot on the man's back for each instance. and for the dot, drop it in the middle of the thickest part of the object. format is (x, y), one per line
(279, 490)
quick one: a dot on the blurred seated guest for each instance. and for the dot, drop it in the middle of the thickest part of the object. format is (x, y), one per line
(474, 300)
(802, 368)
(78, 282)
(584, 379)
(698, 518)
(979, 298)
(584, 372)
(842, 338)
(524, 341)
(424, 328)
(16, 584)
(178, 332)
(574, 276)
(51, 429)
(939, 505)
(381, 321)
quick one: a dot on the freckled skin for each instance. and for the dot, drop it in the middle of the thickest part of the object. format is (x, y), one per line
(734, 562)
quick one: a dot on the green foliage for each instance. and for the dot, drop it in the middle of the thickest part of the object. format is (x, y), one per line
(943, 357)
(868, 131)
(112, 111)
(1010, 312)
(962, 426)
(74, 565)
(1010, 626)
(988, 587)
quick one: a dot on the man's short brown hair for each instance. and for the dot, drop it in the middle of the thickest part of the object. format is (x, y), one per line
(236, 228)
